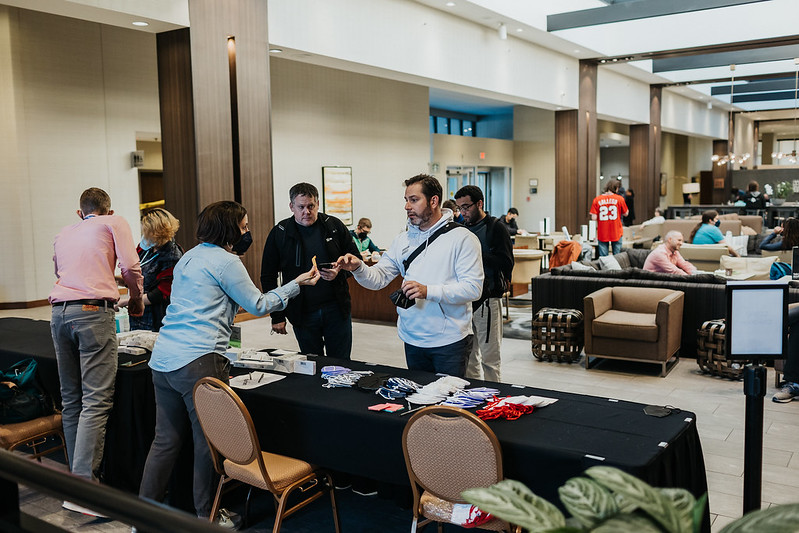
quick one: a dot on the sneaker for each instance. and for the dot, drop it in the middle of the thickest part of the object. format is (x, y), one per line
(69, 506)
(788, 392)
(228, 520)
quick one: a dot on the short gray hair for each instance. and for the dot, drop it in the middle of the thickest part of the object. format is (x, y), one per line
(674, 233)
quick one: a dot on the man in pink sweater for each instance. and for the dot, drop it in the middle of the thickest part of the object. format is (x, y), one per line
(82, 323)
(667, 258)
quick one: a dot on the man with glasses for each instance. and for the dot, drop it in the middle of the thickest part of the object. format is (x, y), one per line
(321, 315)
(484, 361)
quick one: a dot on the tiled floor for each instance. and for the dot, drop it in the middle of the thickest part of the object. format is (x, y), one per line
(718, 403)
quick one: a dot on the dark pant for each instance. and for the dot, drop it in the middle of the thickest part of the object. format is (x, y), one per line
(791, 368)
(450, 359)
(175, 418)
(325, 331)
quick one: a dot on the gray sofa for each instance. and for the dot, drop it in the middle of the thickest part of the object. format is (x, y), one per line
(705, 294)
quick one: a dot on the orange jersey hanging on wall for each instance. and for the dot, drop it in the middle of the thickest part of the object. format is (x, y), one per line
(609, 208)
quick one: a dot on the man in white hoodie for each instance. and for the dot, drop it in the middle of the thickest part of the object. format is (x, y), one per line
(443, 279)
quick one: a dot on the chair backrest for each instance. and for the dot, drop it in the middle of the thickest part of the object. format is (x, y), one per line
(448, 450)
(226, 423)
(638, 299)
(786, 256)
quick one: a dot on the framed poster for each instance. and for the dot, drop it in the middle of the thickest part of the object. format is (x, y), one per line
(337, 193)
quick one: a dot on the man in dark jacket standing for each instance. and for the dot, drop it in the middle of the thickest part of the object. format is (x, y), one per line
(484, 361)
(321, 315)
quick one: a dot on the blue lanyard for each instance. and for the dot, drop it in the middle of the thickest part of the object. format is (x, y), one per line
(142, 263)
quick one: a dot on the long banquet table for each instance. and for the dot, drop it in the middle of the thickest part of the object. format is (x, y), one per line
(332, 428)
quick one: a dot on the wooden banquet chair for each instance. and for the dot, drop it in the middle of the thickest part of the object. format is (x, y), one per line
(237, 455)
(448, 450)
(33, 434)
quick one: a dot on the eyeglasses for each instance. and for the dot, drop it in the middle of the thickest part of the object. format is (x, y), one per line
(465, 207)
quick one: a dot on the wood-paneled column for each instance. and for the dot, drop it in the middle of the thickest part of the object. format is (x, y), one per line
(223, 117)
(645, 158)
(721, 194)
(576, 149)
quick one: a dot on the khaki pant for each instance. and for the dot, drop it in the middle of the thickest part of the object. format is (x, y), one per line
(484, 361)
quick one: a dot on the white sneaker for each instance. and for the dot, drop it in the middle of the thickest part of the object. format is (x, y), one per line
(69, 506)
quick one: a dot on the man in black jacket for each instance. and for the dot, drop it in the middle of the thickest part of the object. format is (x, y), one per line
(484, 361)
(321, 314)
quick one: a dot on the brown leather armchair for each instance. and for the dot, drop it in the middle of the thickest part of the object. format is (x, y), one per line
(634, 323)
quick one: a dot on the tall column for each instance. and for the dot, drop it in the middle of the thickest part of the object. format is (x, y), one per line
(721, 174)
(576, 148)
(217, 135)
(768, 148)
(645, 157)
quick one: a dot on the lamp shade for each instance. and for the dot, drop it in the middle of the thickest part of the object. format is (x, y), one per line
(690, 188)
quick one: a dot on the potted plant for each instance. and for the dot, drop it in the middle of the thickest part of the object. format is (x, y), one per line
(609, 500)
(782, 191)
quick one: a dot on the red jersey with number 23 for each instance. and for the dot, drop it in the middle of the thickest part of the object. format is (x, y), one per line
(608, 208)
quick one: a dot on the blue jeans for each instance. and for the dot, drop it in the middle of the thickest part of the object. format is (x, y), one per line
(85, 344)
(325, 331)
(603, 247)
(175, 419)
(450, 359)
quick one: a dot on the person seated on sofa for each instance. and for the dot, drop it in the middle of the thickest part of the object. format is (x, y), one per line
(667, 258)
(657, 219)
(708, 232)
(788, 233)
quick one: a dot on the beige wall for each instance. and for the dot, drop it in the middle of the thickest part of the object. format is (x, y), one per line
(534, 158)
(76, 95)
(328, 117)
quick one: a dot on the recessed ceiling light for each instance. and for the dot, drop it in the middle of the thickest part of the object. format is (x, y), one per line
(576, 51)
(275, 50)
(519, 30)
(450, 4)
(140, 23)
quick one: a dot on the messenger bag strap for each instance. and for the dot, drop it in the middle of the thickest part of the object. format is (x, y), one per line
(449, 226)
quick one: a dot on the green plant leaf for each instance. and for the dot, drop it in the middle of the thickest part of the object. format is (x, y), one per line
(514, 502)
(683, 502)
(642, 494)
(587, 501)
(699, 512)
(627, 523)
(780, 519)
(625, 505)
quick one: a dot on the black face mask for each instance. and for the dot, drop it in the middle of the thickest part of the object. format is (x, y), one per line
(243, 244)
(362, 235)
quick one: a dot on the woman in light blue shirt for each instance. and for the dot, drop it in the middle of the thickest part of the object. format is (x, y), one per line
(210, 284)
(708, 232)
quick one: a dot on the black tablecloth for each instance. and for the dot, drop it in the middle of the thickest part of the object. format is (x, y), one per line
(333, 428)
(131, 425)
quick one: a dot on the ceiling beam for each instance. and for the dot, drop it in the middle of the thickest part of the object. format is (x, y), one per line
(781, 84)
(720, 59)
(639, 9)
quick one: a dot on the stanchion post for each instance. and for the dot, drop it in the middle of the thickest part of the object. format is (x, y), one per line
(755, 391)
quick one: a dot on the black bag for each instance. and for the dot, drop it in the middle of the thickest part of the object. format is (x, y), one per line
(398, 297)
(21, 396)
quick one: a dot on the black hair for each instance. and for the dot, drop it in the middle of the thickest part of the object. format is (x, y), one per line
(472, 191)
(513, 211)
(303, 189)
(430, 186)
(218, 223)
(94, 201)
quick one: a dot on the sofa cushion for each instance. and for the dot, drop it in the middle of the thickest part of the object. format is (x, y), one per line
(582, 267)
(622, 259)
(567, 270)
(637, 256)
(638, 273)
(625, 325)
(609, 262)
(759, 266)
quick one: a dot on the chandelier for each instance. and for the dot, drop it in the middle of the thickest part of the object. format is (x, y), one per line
(792, 155)
(731, 157)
